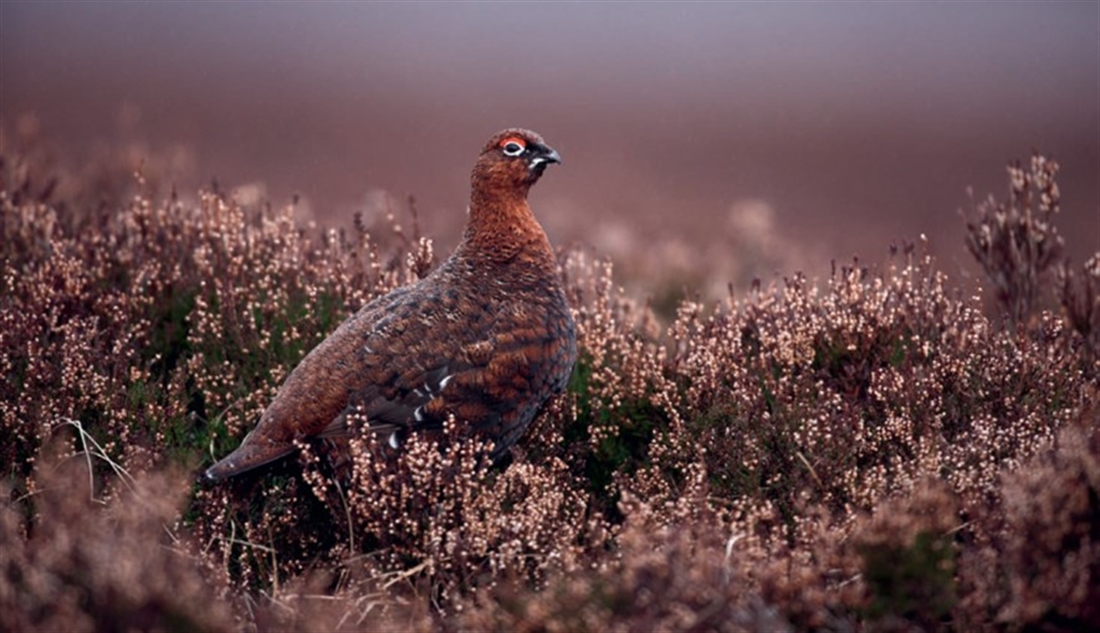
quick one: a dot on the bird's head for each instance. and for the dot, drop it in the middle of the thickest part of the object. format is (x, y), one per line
(513, 159)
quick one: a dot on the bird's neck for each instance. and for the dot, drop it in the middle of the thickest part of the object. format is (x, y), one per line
(501, 227)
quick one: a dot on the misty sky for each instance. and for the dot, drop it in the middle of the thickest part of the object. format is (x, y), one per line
(856, 124)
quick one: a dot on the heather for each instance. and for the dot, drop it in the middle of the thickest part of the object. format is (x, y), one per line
(882, 449)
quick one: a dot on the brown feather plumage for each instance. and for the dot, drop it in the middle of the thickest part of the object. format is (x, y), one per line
(487, 337)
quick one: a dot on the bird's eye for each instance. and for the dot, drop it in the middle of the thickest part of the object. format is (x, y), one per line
(513, 148)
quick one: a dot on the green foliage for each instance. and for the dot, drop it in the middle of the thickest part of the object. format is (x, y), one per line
(613, 455)
(168, 345)
(914, 582)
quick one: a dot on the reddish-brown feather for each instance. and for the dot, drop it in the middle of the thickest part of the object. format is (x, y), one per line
(487, 337)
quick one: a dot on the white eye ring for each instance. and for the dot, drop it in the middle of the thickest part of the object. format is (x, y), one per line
(512, 148)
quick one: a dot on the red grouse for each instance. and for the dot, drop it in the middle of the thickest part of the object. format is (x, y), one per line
(487, 337)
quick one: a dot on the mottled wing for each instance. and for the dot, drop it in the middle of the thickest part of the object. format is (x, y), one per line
(396, 407)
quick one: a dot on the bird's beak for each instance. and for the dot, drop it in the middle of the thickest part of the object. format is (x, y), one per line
(545, 154)
(551, 156)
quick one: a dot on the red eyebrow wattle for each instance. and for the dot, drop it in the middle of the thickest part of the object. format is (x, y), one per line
(513, 139)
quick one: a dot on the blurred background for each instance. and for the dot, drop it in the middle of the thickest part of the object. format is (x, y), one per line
(703, 143)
